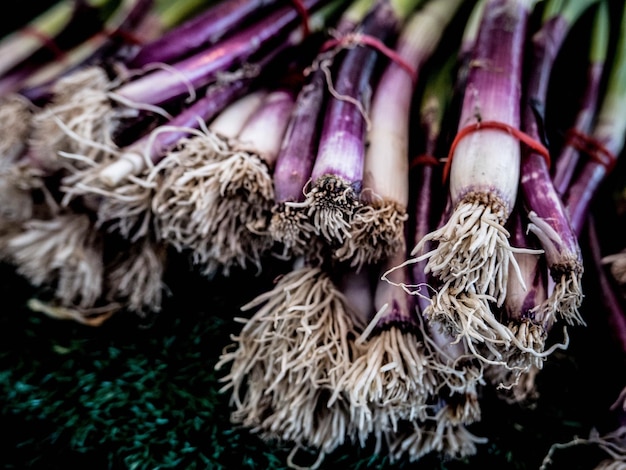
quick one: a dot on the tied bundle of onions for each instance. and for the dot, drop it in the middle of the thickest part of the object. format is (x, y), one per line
(289, 225)
(549, 220)
(337, 175)
(86, 123)
(531, 308)
(472, 256)
(458, 375)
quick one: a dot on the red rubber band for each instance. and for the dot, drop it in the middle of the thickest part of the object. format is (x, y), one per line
(519, 135)
(423, 159)
(591, 147)
(125, 36)
(304, 14)
(359, 38)
(45, 41)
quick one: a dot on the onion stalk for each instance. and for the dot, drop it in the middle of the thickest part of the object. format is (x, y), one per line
(549, 221)
(607, 137)
(568, 158)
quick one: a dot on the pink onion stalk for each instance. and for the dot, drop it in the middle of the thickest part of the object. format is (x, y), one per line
(205, 29)
(377, 226)
(202, 68)
(289, 225)
(472, 256)
(608, 135)
(337, 175)
(458, 374)
(549, 221)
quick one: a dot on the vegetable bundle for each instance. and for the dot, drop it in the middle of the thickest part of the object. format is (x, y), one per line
(403, 160)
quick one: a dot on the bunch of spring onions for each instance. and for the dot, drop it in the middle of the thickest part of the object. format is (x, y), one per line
(398, 155)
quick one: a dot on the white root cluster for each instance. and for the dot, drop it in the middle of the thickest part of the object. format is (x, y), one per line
(292, 350)
(376, 233)
(64, 252)
(329, 205)
(75, 129)
(215, 204)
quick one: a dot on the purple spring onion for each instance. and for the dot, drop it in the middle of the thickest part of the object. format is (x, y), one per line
(337, 174)
(377, 225)
(202, 68)
(549, 221)
(529, 316)
(202, 30)
(296, 158)
(471, 256)
(568, 157)
(287, 360)
(607, 138)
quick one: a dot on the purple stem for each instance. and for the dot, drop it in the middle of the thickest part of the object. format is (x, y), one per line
(296, 158)
(342, 142)
(581, 192)
(297, 153)
(205, 29)
(568, 158)
(200, 69)
(538, 189)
